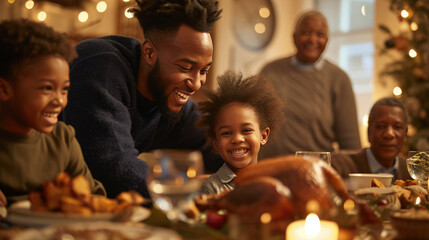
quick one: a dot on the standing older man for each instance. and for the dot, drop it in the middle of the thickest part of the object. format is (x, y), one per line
(129, 97)
(319, 101)
(387, 129)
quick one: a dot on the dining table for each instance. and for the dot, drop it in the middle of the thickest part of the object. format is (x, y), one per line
(150, 222)
(158, 225)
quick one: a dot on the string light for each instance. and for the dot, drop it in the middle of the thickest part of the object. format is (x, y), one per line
(412, 53)
(83, 16)
(128, 14)
(260, 28)
(414, 26)
(101, 6)
(397, 91)
(264, 12)
(404, 13)
(42, 16)
(29, 4)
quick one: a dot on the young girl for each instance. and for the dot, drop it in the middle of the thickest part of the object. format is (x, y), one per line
(238, 119)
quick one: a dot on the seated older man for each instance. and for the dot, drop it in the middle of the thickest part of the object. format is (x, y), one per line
(387, 129)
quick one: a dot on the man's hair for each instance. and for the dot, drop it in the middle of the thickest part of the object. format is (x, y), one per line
(23, 41)
(254, 92)
(311, 13)
(160, 16)
(387, 101)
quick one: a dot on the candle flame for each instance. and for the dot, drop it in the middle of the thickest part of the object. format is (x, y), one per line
(312, 225)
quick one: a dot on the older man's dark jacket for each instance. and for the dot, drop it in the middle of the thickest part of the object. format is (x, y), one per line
(345, 162)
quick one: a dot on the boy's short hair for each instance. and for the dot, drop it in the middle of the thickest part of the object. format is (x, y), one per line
(253, 91)
(156, 16)
(23, 41)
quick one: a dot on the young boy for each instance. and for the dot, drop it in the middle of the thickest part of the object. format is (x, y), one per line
(34, 83)
(238, 118)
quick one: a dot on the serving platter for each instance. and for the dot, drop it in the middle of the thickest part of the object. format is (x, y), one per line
(99, 231)
(20, 214)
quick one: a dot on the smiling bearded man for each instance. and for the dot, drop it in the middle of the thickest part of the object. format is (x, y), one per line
(157, 90)
(130, 97)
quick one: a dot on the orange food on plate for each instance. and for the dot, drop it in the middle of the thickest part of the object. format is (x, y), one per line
(73, 196)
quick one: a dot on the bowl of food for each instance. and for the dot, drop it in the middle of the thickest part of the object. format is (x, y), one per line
(366, 180)
(411, 223)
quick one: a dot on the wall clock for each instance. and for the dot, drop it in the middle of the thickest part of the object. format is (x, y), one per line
(253, 22)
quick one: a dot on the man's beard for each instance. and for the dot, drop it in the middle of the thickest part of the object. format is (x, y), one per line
(157, 89)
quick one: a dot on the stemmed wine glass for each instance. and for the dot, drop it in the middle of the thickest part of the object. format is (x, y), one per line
(325, 156)
(173, 180)
(418, 165)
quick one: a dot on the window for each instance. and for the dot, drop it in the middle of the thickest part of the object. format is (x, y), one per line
(351, 44)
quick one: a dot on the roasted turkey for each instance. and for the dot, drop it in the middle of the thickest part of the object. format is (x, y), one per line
(281, 186)
(307, 179)
(257, 196)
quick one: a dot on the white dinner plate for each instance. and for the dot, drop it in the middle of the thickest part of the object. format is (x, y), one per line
(98, 231)
(20, 214)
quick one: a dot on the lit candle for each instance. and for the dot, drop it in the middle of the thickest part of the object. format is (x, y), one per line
(312, 228)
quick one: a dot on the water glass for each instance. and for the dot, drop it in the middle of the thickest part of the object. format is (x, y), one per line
(418, 165)
(325, 156)
(173, 180)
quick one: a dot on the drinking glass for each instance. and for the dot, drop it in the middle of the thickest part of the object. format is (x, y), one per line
(325, 156)
(173, 180)
(418, 165)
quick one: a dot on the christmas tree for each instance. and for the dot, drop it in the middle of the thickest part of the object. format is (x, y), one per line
(411, 70)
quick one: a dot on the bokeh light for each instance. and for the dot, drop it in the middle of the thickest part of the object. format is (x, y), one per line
(42, 16)
(11, 1)
(101, 6)
(83, 16)
(260, 28)
(404, 13)
(412, 53)
(265, 218)
(363, 10)
(414, 26)
(29, 4)
(264, 12)
(365, 120)
(128, 14)
(397, 91)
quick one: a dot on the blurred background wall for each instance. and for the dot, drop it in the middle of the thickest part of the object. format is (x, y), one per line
(355, 39)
